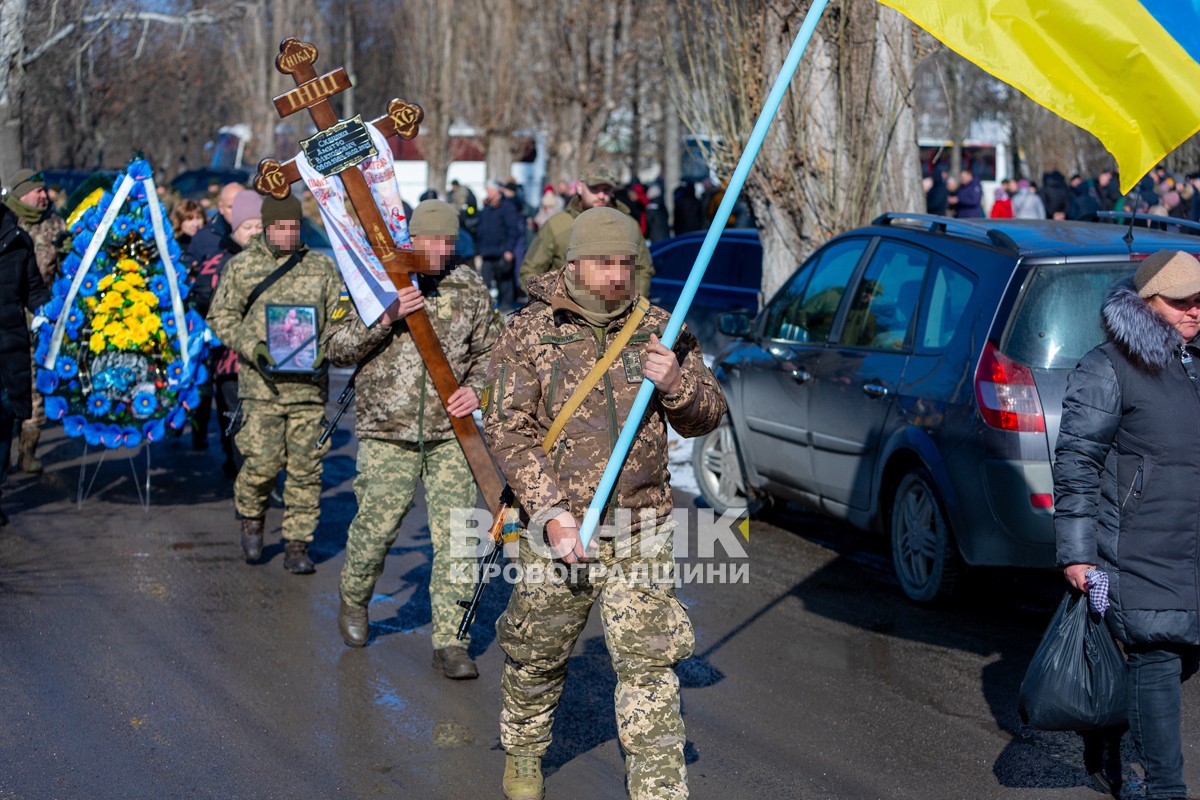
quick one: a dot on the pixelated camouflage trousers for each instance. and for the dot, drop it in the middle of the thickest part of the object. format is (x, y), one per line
(647, 632)
(277, 436)
(33, 425)
(386, 482)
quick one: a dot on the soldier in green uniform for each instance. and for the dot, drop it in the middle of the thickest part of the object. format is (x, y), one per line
(282, 411)
(404, 433)
(548, 251)
(28, 199)
(574, 315)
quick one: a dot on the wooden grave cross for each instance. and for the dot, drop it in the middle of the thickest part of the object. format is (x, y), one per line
(403, 119)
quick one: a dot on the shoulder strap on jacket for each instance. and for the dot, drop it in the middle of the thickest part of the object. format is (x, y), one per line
(270, 280)
(593, 377)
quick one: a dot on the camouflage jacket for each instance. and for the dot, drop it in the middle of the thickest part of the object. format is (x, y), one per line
(45, 235)
(548, 251)
(395, 397)
(314, 281)
(545, 351)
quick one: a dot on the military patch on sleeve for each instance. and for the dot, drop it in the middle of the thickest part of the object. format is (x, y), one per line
(343, 305)
(632, 361)
(444, 309)
(485, 399)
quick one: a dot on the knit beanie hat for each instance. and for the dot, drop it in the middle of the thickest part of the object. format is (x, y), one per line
(24, 181)
(433, 218)
(602, 231)
(275, 210)
(246, 205)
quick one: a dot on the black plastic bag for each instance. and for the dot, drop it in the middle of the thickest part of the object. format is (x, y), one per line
(1076, 680)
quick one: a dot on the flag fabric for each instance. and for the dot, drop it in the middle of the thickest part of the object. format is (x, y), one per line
(1127, 71)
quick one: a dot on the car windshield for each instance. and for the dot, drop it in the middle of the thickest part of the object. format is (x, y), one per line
(1058, 319)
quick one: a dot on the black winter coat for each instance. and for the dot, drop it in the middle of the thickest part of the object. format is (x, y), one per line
(499, 229)
(1126, 471)
(21, 288)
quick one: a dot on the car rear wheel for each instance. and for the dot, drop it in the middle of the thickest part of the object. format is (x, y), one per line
(719, 471)
(923, 549)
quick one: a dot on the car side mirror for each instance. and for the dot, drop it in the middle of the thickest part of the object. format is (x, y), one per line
(734, 323)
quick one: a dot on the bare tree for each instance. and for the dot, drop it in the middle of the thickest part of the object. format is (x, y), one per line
(842, 148)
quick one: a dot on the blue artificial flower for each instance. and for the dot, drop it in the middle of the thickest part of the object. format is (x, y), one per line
(73, 386)
(56, 407)
(177, 418)
(66, 367)
(158, 285)
(73, 425)
(175, 373)
(190, 398)
(46, 381)
(52, 309)
(196, 348)
(88, 287)
(93, 433)
(154, 430)
(43, 348)
(69, 265)
(123, 225)
(106, 199)
(139, 169)
(195, 322)
(98, 404)
(201, 377)
(131, 437)
(110, 435)
(144, 404)
(173, 250)
(168, 323)
(81, 241)
(61, 286)
(74, 322)
(144, 229)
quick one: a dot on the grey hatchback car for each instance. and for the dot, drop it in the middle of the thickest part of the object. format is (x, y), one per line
(908, 378)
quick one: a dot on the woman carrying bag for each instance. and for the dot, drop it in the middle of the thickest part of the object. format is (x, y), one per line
(1127, 498)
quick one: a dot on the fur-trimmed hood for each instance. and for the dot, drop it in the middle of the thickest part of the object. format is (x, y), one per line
(1145, 338)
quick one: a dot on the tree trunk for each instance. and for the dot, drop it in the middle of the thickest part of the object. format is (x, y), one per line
(499, 155)
(13, 15)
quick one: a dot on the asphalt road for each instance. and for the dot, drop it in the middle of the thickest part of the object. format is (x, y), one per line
(141, 658)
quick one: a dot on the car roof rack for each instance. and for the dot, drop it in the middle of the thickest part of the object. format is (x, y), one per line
(1187, 226)
(950, 226)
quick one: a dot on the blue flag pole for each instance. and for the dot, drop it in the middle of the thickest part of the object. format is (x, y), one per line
(753, 145)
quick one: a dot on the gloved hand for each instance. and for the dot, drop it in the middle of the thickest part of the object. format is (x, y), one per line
(262, 358)
(264, 362)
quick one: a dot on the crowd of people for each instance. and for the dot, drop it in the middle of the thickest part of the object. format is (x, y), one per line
(582, 263)
(1160, 193)
(585, 271)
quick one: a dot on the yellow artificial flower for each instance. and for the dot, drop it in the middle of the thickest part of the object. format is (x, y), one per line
(90, 302)
(138, 310)
(106, 282)
(112, 328)
(127, 265)
(153, 323)
(96, 343)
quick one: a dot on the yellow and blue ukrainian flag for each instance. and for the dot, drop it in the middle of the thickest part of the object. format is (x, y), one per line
(1128, 71)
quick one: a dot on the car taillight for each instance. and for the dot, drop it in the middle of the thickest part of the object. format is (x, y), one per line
(1006, 394)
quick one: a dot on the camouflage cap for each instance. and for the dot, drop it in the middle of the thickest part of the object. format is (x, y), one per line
(602, 231)
(433, 218)
(25, 181)
(275, 210)
(595, 174)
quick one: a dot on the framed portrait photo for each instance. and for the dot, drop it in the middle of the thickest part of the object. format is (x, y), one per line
(292, 337)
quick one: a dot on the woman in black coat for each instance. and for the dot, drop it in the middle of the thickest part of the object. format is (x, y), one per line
(21, 288)
(1126, 472)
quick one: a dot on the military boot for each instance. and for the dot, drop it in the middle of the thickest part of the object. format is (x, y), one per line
(523, 778)
(296, 560)
(27, 444)
(455, 663)
(353, 624)
(252, 539)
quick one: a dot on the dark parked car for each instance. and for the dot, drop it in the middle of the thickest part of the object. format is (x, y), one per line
(193, 184)
(733, 279)
(908, 378)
